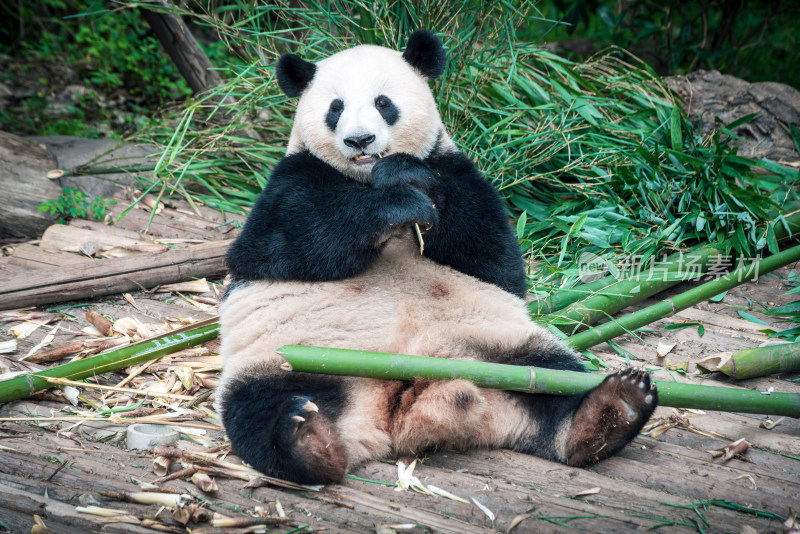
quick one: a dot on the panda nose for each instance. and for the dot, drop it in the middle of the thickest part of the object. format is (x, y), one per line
(359, 141)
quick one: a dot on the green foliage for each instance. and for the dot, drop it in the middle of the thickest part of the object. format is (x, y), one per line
(596, 155)
(36, 116)
(75, 204)
(755, 39)
(789, 313)
(108, 49)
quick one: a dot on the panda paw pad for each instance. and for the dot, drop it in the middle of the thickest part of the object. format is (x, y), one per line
(611, 415)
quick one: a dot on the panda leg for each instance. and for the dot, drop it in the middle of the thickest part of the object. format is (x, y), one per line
(576, 430)
(285, 426)
(432, 413)
(584, 429)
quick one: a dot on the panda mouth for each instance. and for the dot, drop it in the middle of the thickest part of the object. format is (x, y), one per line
(364, 159)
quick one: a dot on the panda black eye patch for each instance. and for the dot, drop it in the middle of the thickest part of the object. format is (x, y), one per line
(334, 112)
(387, 109)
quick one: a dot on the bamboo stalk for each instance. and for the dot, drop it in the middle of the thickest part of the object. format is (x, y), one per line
(579, 311)
(25, 385)
(524, 379)
(750, 363)
(601, 305)
(670, 306)
(562, 298)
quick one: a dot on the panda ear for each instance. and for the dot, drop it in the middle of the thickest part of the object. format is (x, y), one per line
(425, 53)
(294, 74)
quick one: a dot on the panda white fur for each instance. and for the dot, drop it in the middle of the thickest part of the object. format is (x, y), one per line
(328, 258)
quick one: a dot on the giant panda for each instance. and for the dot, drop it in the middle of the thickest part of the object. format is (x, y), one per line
(329, 256)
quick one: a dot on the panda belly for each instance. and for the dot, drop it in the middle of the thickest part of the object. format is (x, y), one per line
(312, 428)
(404, 304)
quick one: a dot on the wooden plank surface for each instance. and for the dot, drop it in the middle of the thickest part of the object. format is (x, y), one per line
(104, 277)
(29, 256)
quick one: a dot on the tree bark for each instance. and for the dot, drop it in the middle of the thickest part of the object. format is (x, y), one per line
(182, 47)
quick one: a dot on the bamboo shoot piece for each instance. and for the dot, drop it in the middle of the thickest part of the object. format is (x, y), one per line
(524, 379)
(750, 363)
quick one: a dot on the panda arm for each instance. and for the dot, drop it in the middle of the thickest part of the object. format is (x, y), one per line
(312, 223)
(473, 234)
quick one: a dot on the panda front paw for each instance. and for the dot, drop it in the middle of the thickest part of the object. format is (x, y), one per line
(405, 210)
(398, 169)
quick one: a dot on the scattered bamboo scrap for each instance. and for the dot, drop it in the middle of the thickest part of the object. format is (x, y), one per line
(732, 450)
(407, 481)
(209, 462)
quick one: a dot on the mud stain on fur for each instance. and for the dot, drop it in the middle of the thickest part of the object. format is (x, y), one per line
(439, 290)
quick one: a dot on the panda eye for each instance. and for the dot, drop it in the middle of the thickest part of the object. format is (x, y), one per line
(337, 106)
(334, 112)
(387, 109)
(382, 102)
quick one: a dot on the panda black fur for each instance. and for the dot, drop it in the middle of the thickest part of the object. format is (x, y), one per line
(328, 257)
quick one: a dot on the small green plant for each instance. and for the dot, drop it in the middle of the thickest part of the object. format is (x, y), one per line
(75, 204)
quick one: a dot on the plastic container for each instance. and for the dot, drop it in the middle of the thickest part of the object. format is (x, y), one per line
(145, 436)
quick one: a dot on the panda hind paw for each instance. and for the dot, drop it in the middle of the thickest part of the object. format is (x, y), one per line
(610, 416)
(317, 452)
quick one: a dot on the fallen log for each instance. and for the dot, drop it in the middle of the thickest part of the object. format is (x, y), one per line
(105, 277)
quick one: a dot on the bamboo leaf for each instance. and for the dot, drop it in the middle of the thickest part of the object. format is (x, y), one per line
(718, 298)
(751, 318)
(741, 120)
(676, 136)
(792, 307)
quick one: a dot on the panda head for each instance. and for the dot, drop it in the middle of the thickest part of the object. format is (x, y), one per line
(366, 102)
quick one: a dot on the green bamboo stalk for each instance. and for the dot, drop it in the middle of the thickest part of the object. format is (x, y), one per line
(670, 306)
(676, 268)
(561, 298)
(524, 379)
(23, 386)
(761, 361)
(590, 310)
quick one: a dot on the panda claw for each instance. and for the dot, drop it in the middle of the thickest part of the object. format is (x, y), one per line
(310, 407)
(298, 419)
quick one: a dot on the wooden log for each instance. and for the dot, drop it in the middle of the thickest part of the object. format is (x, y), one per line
(32, 257)
(24, 185)
(69, 238)
(117, 275)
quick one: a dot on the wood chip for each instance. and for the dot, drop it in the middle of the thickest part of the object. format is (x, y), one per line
(584, 493)
(192, 286)
(205, 482)
(770, 424)
(517, 520)
(664, 348)
(129, 298)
